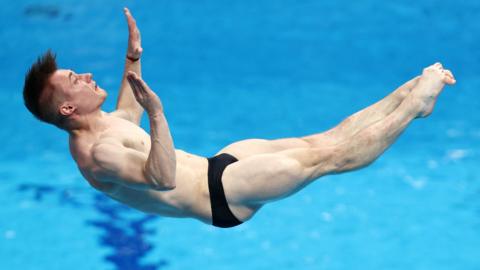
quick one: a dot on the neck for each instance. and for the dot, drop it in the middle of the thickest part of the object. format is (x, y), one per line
(92, 122)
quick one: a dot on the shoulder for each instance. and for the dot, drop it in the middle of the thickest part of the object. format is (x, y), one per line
(120, 114)
(126, 115)
(104, 151)
(92, 162)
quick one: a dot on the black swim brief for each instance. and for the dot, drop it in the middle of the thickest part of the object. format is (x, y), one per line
(221, 214)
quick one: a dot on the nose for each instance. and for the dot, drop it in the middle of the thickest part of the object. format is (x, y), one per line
(87, 77)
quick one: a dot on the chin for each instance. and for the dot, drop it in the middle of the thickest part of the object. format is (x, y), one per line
(102, 91)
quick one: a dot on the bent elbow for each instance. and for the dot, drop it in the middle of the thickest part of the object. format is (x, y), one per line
(163, 183)
(166, 185)
(162, 180)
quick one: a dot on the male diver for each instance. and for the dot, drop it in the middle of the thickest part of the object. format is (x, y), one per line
(117, 157)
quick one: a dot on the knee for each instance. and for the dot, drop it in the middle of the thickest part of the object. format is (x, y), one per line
(339, 158)
(323, 160)
(321, 140)
(350, 157)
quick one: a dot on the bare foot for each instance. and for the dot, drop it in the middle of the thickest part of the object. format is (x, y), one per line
(430, 85)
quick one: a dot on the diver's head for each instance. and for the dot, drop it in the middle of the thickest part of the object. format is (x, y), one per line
(59, 96)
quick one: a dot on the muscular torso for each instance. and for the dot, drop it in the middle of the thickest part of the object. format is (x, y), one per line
(190, 198)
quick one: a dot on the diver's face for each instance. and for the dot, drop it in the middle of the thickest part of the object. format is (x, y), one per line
(78, 90)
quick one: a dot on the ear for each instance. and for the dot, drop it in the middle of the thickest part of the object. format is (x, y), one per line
(67, 109)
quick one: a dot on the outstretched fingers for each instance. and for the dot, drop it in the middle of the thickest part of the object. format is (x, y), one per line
(137, 84)
(134, 40)
(130, 20)
(143, 94)
(132, 25)
(136, 89)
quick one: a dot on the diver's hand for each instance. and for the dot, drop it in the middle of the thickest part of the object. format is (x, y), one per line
(134, 51)
(144, 95)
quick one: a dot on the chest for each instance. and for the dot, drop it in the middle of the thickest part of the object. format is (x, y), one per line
(125, 132)
(128, 134)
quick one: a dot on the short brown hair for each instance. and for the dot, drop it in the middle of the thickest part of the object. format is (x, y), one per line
(36, 81)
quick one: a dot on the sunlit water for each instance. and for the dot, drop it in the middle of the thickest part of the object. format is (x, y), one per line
(227, 71)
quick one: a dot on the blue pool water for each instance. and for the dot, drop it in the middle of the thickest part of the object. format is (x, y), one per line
(231, 70)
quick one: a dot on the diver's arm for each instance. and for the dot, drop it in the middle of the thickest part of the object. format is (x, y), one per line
(124, 166)
(161, 162)
(126, 103)
(133, 168)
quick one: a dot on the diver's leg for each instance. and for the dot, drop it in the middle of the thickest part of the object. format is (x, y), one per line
(267, 177)
(366, 117)
(347, 128)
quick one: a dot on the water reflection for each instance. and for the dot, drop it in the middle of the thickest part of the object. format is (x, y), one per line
(123, 230)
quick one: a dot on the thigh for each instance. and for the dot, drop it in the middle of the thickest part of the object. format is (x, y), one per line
(267, 177)
(247, 148)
